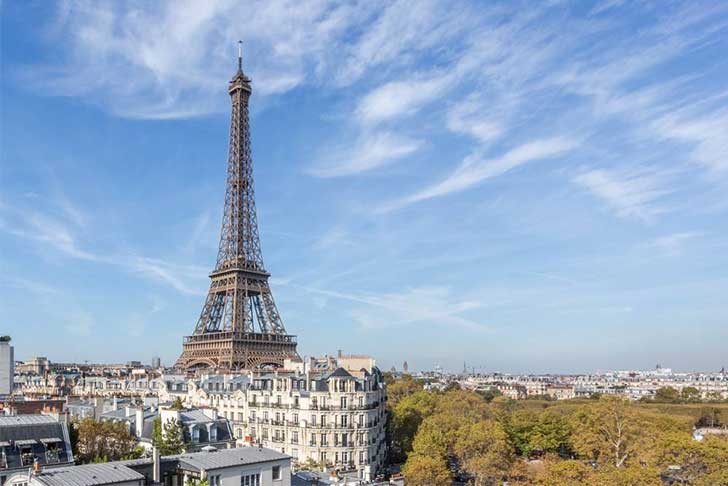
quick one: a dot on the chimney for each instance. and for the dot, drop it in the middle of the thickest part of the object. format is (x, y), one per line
(156, 469)
(139, 422)
(114, 404)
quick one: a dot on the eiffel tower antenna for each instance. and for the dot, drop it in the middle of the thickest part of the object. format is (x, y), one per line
(239, 326)
(240, 56)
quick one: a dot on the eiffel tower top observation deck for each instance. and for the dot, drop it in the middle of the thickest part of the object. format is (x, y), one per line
(239, 326)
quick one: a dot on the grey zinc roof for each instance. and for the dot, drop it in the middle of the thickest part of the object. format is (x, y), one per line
(340, 373)
(228, 457)
(11, 420)
(88, 475)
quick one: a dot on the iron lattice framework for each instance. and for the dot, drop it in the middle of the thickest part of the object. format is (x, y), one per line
(239, 326)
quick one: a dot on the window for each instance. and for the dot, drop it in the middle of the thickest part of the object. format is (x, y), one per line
(344, 421)
(250, 480)
(277, 473)
(323, 440)
(343, 402)
(313, 420)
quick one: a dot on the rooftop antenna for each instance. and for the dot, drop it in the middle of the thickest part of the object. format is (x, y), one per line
(240, 56)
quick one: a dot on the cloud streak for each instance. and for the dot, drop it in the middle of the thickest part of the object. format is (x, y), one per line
(369, 152)
(476, 168)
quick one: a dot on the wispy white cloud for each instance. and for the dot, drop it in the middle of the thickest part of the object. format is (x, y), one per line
(399, 98)
(706, 132)
(476, 168)
(431, 305)
(176, 276)
(673, 244)
(473, 117)
(630, 192)
(56, 233)
(370, 151)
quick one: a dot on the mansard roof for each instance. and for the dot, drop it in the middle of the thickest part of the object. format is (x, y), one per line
(340, 373)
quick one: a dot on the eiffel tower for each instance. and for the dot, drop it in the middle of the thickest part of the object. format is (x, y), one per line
(239, 326)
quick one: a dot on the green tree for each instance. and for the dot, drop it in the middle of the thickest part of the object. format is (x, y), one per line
(177, 404)
(401, 388)
(551, 433)
(666, 394)
(708, 417)
(628, 476)
(606, 430)
(697, 459)
(405, 420)
(173, 438)
(489, 394)
(484, 451)
(519, 426)
(566, 473)
(103, 441)
(690, 393)
(423, 470)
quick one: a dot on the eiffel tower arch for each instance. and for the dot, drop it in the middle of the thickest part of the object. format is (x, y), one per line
(239, 326)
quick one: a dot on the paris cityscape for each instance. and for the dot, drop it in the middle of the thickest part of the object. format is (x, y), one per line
(412, 243)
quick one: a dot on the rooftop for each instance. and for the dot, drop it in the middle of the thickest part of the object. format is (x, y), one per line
(228, 457)
(88, 475)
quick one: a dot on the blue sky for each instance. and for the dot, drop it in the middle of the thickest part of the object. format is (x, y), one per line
(521, 186)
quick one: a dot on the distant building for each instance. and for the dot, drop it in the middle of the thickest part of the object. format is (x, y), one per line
(27, 439)
(405, 367)
(156, 363)
(7, 366)
(34, 366)
(201, 426)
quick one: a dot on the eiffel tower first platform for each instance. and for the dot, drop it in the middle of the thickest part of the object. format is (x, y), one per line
(239, 326)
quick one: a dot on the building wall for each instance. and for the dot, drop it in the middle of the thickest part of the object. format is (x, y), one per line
(232, 476)
(284, 413)
(7, 372)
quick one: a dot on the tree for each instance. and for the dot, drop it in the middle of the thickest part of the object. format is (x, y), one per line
(666, 394)
(423, 470)
(551, 433)
(690, 393)
(168, 438)
(483, 450)
(104, 441)
(708, 417)
(173, 437)
(697, 459)
(489, 394)
(405, 419)
(628, 476)
(519, 426)
(605, 430)
(401, 388)
(566, 473)
(177, 404)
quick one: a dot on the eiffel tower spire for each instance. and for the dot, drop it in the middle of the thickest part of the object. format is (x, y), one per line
(239, 326)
